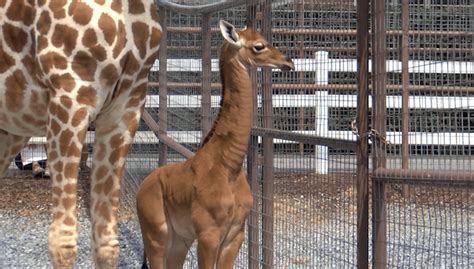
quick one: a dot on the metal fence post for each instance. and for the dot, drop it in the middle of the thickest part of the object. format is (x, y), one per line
(267, 203)
(379, 111)
(163, 89)
(206, 75)
(322, 110)
(405, 91)
(252, 165)
(362, 125)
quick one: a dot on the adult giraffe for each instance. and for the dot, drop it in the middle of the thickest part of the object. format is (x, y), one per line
(65, 64)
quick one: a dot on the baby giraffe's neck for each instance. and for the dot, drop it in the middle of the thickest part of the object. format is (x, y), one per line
(227, 141)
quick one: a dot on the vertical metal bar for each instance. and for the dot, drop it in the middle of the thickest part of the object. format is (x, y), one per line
(267, 203)
(163, 90)
(362, 125)
(379, 110)
(405, 91)
(301, 38)
(252, 165)
(206, 75)
(405, 84)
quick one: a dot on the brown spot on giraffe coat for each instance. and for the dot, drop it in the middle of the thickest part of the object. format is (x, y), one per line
(87, 96)
(59, 112)
(65, 138)
(117, 6)
(52, 59)
(108, 27)
(62, 82)
(70, 170)
(136, 7)
(141, 33)
(65, 37)
(6, 61)
(44, 23)
(84, 65)
(101, 172)
(89, 40)
(129, 63)
(81, 12)
(57, 7)
(109, 75)
(68, 202)
(14, 37)
(15, 89)
(21, 12)
(78, 117)
(121, 40)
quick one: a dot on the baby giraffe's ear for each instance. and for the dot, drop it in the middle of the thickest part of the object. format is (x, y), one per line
(229, 33)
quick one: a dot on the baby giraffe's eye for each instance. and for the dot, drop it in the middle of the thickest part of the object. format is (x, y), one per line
(259, 47)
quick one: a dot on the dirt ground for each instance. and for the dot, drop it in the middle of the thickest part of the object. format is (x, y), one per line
(29, 196)
(294, 194)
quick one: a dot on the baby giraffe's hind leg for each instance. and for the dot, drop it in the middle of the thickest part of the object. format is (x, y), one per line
(230, 249)
(154, 227)
(9, 147)
(178, 250)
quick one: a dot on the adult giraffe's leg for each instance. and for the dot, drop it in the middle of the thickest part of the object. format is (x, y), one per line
(113, 135)
(67, 126)
(10, 145)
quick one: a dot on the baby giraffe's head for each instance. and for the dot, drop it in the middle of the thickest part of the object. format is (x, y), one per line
(252, 49)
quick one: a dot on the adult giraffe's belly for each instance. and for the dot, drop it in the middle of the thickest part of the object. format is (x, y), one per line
(23, 105)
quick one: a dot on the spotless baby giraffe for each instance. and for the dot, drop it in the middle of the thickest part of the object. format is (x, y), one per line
(207, 197)
(63, 65)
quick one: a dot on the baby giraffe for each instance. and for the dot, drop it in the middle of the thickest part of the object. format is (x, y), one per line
(207, 197)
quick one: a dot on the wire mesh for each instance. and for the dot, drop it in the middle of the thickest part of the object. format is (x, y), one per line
(419, 200)
(314, 198)
(430, 227)
(440, 84)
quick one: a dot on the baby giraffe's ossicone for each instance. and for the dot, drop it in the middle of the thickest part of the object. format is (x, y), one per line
(207, 197)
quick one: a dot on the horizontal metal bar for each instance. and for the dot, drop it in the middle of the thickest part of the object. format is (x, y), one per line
(425, 177)
(337, 49)
(303, 138)
(148, 119)
(176, 146)
(331, 32)
(323, 87)
(201, 9)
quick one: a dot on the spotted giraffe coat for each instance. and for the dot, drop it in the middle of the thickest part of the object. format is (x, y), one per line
(63, 65)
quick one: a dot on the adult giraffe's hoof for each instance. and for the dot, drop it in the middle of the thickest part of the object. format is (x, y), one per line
(63, 257)
(107, 257)
(62, 246)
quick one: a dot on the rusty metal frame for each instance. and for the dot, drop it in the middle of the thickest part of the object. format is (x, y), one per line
(260, 239)
(363, 127)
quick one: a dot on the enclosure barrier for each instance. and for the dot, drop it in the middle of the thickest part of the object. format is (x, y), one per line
(324, 95)
(437, 190)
